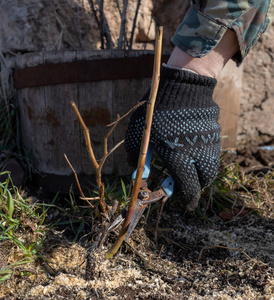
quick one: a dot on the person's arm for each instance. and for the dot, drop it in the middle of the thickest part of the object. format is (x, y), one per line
(185, 131)
(211, 64)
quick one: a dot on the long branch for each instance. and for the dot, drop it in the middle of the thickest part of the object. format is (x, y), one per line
(144, 144)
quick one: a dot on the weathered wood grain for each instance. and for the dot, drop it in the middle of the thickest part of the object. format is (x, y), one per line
(49, 125)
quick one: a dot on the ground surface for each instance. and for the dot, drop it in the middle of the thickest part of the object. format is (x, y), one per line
(204, 256)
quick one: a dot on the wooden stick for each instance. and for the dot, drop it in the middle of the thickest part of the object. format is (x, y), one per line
(144, 144)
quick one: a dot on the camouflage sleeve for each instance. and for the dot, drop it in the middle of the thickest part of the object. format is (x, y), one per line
(207, 21)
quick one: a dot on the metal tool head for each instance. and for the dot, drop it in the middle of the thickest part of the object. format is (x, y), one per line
(118, 220)
(137, 214)
(145, 197)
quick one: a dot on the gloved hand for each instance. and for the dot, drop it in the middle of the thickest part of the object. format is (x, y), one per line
(185, 133)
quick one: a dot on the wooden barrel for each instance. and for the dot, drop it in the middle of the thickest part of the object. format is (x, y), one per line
(101, 83)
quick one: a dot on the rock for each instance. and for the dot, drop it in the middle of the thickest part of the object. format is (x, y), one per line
(40, 25)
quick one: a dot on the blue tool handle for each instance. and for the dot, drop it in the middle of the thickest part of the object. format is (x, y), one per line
(168, 186)
(147, 166)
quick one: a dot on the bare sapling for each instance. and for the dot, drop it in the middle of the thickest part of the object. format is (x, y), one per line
(97, 166)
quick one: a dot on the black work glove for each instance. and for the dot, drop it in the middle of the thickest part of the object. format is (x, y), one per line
(185, 133)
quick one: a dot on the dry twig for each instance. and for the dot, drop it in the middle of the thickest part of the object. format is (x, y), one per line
(78, 183)
(130, 111)
(223, 247)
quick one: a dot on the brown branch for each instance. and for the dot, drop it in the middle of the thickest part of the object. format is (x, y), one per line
(87, 137)
(78, 183)
(96, 166)
(115, 147)
(126, 114)
(144, 144)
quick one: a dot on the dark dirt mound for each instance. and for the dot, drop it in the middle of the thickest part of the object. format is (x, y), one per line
(252, 159)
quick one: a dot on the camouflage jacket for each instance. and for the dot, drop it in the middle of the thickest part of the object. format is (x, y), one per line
(207, 21)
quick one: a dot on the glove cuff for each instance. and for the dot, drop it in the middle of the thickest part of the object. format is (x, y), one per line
(179, 88)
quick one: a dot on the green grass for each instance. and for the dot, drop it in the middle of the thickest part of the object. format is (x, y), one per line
(21, 226)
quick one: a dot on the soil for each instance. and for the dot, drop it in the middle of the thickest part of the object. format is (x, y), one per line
(193, 256)
(252, 159)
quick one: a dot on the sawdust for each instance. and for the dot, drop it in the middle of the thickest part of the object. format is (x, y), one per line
(243, 269)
